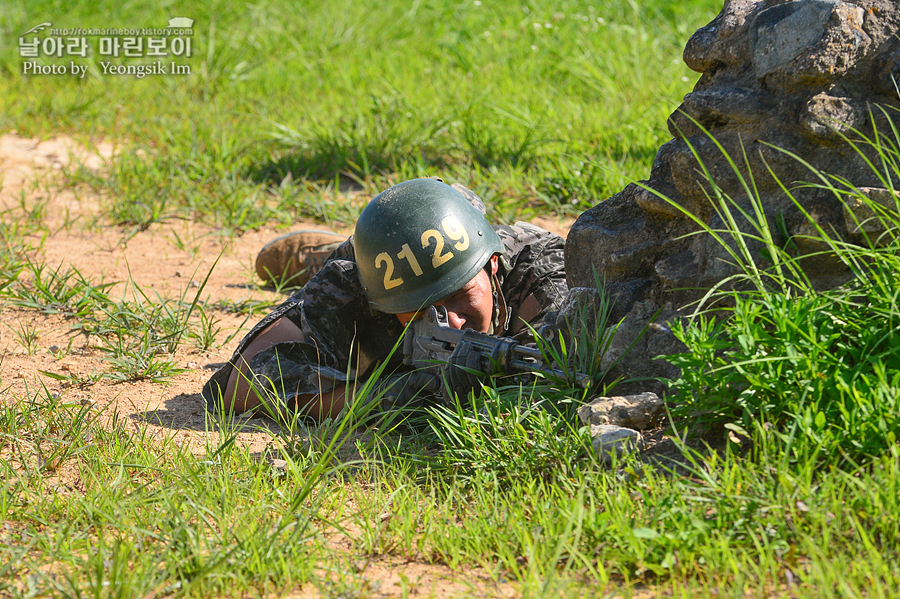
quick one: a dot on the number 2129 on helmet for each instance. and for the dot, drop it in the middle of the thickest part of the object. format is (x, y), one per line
(418, 242)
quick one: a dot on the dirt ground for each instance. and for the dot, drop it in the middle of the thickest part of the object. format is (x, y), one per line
(173, 411)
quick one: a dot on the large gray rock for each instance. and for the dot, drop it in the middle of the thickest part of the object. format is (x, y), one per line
(797, 75)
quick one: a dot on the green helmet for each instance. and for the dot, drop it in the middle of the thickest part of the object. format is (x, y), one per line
(418, 242)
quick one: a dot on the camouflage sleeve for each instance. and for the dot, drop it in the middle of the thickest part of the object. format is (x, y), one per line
(532, 274)
(341, 337)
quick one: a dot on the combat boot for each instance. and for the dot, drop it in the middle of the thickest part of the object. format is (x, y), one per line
(293, 259)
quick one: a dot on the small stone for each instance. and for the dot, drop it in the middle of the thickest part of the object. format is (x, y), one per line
(808, 42)
(178, 273)
(611, 441)
(829, 117)
(195, 284)
(53, 349)
(638, 412)
(783, 32)
(860, 215)
(279, 464)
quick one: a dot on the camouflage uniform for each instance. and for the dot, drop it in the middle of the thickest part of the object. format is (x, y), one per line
(345, 339)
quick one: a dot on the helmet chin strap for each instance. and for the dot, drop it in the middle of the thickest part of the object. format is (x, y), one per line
(500, 317)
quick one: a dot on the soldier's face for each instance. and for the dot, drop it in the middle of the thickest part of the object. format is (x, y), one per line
(471, 307)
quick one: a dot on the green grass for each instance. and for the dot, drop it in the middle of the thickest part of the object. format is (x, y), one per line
(146, 515)
(540, 106)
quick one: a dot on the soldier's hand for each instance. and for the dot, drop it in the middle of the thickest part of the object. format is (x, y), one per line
(463, 371)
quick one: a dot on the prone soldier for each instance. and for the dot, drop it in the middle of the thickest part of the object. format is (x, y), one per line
(418, 244)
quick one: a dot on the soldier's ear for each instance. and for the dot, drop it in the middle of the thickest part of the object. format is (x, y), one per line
(495, 264)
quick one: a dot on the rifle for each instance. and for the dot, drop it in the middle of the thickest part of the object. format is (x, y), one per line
(429, 341)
